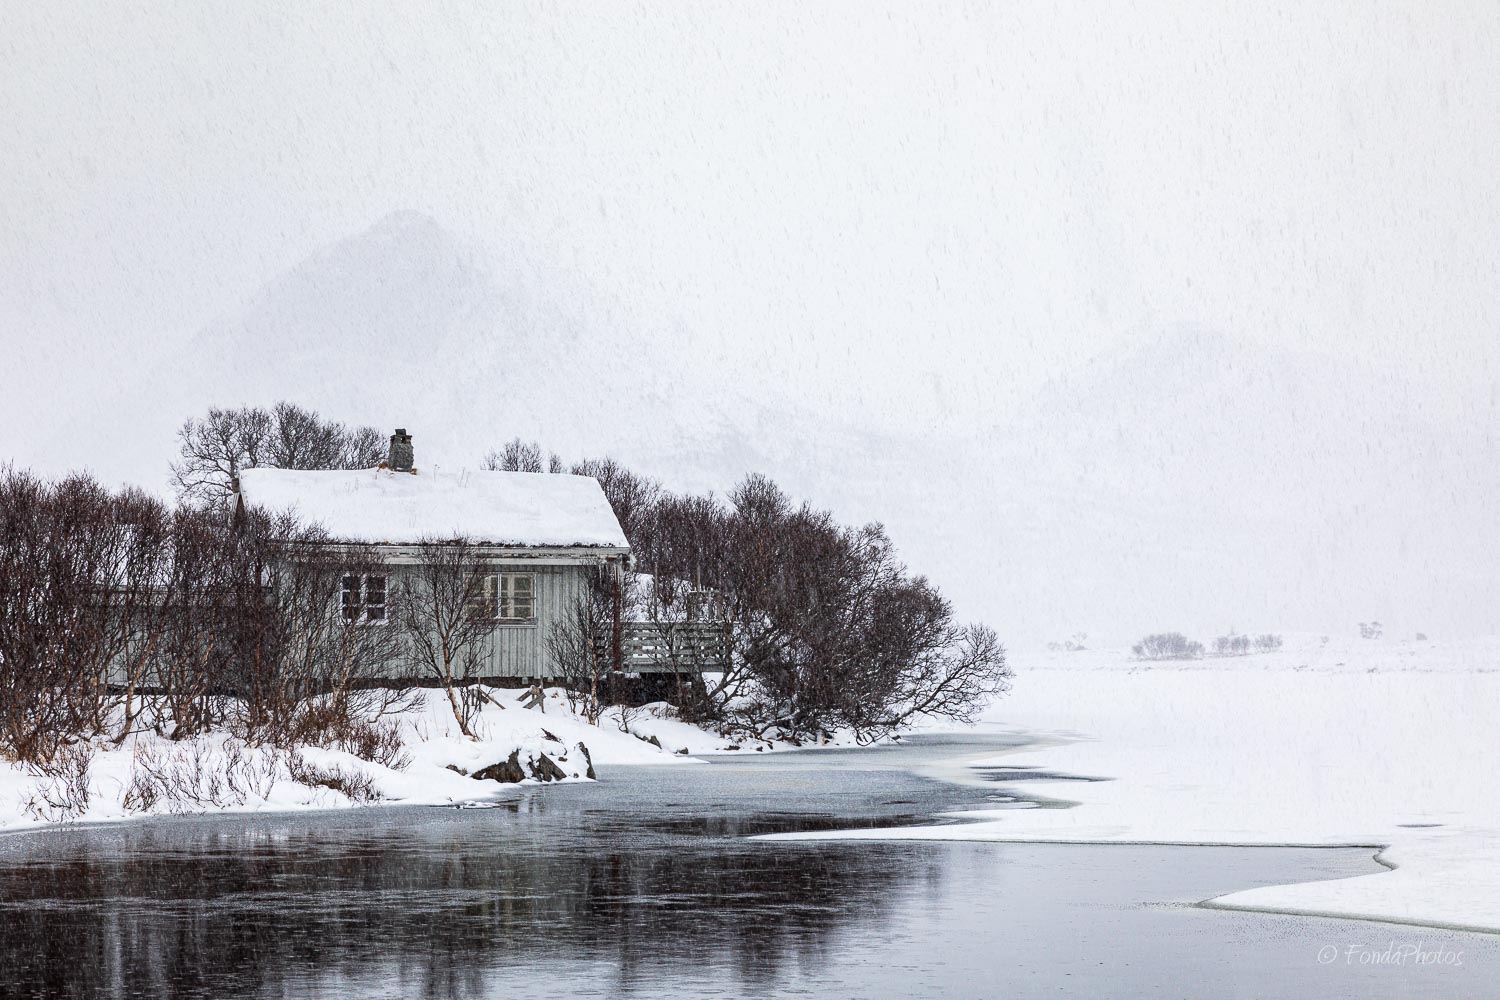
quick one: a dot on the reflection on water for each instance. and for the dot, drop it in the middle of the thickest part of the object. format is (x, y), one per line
(644, 871)
(643, 884)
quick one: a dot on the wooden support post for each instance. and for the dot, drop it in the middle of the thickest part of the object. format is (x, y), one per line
(618, 656)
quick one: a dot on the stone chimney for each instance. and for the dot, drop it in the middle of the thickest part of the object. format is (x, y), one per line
(400, 458)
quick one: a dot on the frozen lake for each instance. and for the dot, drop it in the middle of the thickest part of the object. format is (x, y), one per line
(645, 884)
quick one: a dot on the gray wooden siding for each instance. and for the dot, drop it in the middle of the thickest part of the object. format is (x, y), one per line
(520, 650)
(511, 650)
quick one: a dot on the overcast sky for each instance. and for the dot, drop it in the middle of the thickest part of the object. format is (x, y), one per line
(845, 200)
(1012, 183)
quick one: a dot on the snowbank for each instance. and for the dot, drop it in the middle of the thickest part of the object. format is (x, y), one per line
(1370, 743)
(215, 773)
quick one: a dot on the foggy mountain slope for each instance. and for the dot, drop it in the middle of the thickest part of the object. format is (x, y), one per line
(354, 314)
(403, 324)
(1198, 481)
(1190, 480)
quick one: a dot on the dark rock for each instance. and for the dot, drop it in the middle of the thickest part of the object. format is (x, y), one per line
(683, 752)
(538, 768)
(455, 767)
(548, 736)
(544, 768)
(732, 746)
(588, 759)
(509, 772)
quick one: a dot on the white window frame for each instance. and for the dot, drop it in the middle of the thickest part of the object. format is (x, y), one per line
(362, 605)
(494, 598)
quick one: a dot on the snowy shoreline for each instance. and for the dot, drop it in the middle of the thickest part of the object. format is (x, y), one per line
(215, 774)
(1368, 745)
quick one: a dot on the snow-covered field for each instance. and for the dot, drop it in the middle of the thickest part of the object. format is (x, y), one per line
(216, 773)
(1385, 743)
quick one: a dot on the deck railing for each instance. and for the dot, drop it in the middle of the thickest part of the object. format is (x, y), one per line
(656, 647)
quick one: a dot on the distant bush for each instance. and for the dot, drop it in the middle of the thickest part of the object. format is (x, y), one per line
(1167, 646)
(1075, 644)
(1371, 630)
(1231, 645)
(1421, 637)
(1234, 644)
(1267, 643)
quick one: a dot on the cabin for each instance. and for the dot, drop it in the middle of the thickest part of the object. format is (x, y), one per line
(543, 539)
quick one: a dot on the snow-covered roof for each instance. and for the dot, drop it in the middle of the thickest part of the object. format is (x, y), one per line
(490, 508)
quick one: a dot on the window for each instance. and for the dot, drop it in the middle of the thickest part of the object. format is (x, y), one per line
(364, 598)
(509, 598)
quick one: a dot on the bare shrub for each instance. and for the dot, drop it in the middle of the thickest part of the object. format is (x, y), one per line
(377, 743)
(626, 714)
(323, 724)
(49, 576)
(64, 792)
(194, 775)
(1076, 643)
(358, 786)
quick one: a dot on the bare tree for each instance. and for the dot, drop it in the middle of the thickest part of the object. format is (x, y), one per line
(968, 669)
(304, 652)
(53, 636)
(445, 622)
(110, 604)
(522, 456)
(633, 497)
(141, 546)
(824, 628)
(200, 618)
(577, 645)
(212, 451)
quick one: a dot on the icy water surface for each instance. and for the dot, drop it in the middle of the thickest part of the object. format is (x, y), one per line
(644, 884)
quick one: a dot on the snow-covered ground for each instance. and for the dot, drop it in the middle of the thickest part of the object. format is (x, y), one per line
(1385, 743)
(217, 773)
